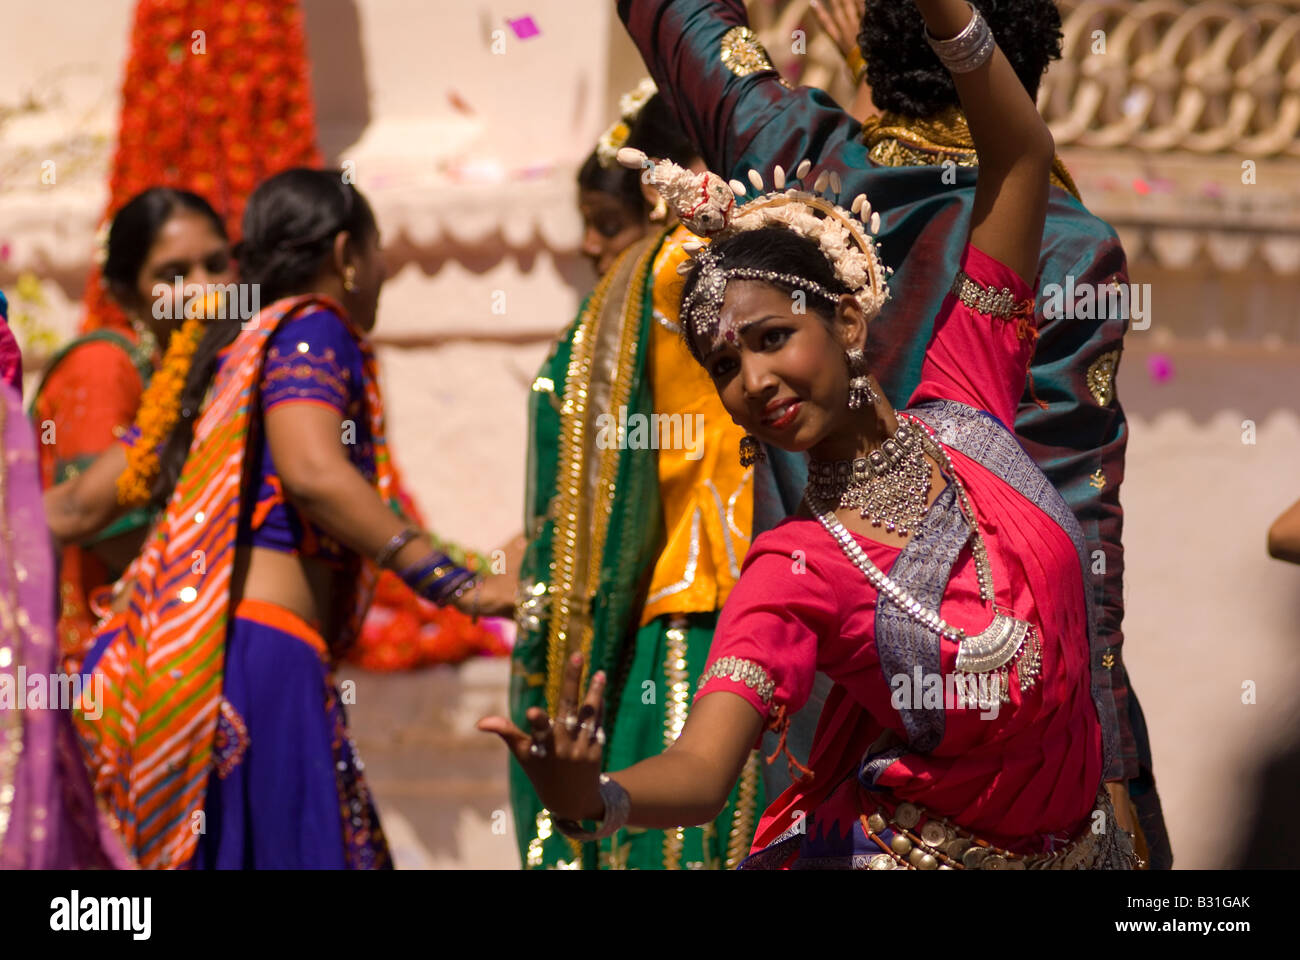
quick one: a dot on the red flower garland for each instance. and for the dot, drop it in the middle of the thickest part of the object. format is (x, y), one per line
(217, 122)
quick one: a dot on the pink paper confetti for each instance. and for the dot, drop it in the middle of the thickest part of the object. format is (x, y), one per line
(1160, 367)
(524, 27)
(1142, 187)
(4, 251)
(1212, 188)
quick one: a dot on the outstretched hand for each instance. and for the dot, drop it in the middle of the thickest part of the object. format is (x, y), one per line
(562, 756)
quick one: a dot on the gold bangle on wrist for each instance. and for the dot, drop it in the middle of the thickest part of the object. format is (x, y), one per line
(857, 65)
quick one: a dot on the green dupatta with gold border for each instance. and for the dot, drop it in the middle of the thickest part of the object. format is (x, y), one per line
(593, 521)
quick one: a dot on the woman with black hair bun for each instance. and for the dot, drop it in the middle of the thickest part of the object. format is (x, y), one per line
(223, 742)
(679, 505)
(92, 387)
(617, 208)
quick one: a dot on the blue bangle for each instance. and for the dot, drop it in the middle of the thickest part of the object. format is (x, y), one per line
(437, 579)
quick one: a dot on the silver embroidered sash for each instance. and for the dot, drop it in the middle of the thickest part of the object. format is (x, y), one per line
(983, 439)
(923, 569)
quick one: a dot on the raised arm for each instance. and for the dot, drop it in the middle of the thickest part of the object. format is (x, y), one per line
(1014, 145)
(730, 101)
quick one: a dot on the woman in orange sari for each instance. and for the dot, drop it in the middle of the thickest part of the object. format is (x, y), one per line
(92, 388)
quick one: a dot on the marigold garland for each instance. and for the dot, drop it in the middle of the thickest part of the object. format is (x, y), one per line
(158, 413)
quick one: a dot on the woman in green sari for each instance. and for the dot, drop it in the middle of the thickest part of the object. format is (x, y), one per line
(635, 535)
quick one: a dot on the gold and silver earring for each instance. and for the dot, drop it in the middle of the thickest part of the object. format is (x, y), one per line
(350, 279)
(860, 392)
(751, 451)
(660, 213)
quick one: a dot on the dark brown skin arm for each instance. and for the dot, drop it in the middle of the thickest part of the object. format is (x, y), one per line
(685, 785)
(311, 459)
(1015, 150)
(307, 447)
(1284, 535)
(80, 507)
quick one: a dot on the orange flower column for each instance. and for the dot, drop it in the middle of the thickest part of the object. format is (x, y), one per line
(216, 98)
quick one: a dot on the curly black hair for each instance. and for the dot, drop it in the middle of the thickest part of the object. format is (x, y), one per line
(907, 78)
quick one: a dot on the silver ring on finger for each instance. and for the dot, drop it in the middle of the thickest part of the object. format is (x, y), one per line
(537, 750)
(600, 736)
(587, 726)
(571, 724)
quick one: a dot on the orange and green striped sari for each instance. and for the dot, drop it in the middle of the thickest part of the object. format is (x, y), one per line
(151, 751)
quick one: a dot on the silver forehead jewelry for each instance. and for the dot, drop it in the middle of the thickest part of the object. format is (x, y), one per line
(889, 486)
(860, 392)
(701, 311)
(1005, 642)
(970, 49)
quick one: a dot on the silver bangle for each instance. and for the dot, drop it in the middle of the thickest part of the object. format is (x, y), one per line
(618, 808)
(385, 556)
(970, 49)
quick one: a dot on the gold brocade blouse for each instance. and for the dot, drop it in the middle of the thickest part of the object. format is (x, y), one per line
(707, 496)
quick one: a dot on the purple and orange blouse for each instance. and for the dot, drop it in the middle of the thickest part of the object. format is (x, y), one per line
(313, 359)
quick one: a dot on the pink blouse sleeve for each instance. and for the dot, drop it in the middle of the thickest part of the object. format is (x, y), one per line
(983, 340)
(765, 645)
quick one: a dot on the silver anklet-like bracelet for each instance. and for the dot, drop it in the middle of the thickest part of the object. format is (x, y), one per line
(970, 49)
(618, 807)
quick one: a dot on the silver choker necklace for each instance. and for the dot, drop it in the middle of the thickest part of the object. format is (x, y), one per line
(890, 486)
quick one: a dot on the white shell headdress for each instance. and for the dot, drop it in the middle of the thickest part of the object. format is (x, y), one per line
(707, 206)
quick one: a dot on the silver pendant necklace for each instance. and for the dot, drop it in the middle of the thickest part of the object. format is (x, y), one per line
(1005, 642)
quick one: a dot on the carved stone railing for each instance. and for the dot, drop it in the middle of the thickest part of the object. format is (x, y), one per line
(1160, 75)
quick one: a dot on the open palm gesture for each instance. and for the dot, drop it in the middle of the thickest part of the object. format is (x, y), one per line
(562, 755)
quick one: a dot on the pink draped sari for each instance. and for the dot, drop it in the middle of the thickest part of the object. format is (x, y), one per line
(48, 818)
(1025, 779)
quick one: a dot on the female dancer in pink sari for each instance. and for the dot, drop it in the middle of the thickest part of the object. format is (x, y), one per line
(932, 572)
